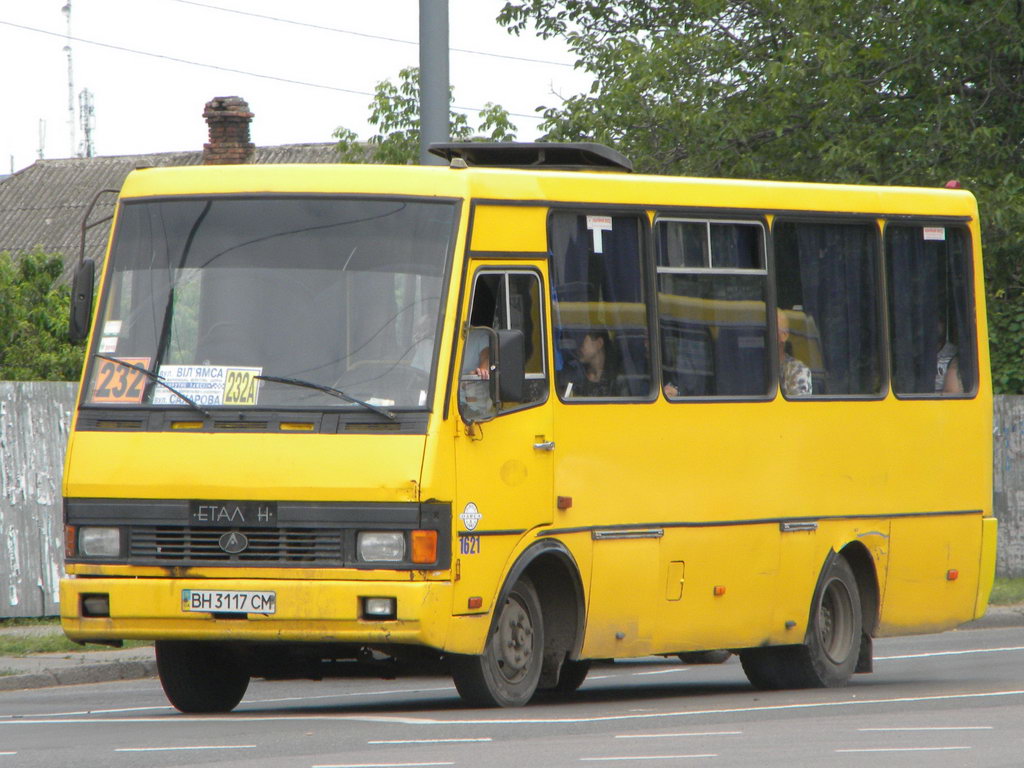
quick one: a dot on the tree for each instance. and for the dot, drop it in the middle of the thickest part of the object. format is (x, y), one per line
(909, 92)
(395, 112)
(34, 320)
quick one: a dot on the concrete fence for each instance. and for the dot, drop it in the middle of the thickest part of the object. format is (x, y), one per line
(34, 421)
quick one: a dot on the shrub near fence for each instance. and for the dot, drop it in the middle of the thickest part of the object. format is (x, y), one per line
(34, 421)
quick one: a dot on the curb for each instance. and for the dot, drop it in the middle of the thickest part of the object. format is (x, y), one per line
(103, 672)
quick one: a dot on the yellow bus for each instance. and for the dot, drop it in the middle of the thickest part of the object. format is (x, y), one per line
(522, 412)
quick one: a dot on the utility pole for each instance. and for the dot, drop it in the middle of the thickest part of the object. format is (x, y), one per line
(87, 115)
(434, 89)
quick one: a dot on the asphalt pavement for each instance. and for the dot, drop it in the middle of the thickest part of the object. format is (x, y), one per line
(46, 670)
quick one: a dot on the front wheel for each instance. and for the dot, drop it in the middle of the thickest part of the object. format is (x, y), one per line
(507, 673)
(200, 677)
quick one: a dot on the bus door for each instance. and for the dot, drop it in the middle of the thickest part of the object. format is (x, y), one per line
(503, 459)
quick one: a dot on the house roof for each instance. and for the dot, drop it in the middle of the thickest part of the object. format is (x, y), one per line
(42, 206)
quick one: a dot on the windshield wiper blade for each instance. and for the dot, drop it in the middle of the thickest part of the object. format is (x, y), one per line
(159, 380)
(330, 391)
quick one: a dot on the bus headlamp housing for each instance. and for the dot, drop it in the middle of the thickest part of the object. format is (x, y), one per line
(94, 541)
(381, 546)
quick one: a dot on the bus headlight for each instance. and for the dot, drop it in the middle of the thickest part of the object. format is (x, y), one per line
(99, 542)
(381, 546)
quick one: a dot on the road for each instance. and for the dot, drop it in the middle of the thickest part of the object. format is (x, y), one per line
(953, 699)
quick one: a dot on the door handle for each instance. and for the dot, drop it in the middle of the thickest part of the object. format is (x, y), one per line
(545, 446)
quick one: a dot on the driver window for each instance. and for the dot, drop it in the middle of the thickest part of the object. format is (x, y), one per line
(512, 300)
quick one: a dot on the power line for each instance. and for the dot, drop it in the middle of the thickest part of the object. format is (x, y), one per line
(232, 70)
(365, 34)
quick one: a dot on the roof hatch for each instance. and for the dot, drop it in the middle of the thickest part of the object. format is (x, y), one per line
(575, 156)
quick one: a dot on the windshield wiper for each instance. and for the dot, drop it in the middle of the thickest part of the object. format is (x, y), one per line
(159, 380)
(330, 391)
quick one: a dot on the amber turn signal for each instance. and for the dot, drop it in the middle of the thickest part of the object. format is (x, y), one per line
(424, 546)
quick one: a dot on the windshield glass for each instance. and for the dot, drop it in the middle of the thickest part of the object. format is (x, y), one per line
(211, 294)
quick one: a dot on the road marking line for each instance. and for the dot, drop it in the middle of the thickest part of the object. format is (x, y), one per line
(903, 749)
(935, 728)
(248, 702)
(949, 653)
(664, 671)
(7, 754)
(675, 735)
(406, 720)
(182, 749)
(430, 741)
(642, 757)
(380, 765)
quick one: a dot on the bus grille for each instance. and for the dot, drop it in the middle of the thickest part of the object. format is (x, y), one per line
(178, 544)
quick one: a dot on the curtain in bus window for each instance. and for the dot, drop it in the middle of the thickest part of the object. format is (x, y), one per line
(827, 274)
(600, 317)
(929, 307)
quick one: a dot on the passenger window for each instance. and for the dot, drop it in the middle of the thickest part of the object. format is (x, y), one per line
(931, 328)
(511, 301)
(712, 308)
(602, 347)
(827, 288)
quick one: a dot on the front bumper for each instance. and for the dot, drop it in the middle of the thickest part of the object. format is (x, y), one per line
(306, 611)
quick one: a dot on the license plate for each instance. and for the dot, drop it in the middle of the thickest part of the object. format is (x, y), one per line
(224, 601)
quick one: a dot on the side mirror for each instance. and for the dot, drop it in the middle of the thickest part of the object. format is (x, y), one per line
(492, 372)
(81, 300)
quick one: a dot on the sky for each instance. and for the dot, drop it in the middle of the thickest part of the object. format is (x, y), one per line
(307, 70)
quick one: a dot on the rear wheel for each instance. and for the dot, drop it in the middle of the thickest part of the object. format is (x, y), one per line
(570, 677)
(507, 672)
(829, 657)
(704, 657)
(200, 677)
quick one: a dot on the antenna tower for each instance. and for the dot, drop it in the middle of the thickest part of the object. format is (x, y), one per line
(66, 10)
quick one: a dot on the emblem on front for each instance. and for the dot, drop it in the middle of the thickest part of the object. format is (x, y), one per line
(234, 542)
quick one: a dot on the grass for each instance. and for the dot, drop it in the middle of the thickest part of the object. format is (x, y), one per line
(19, 644)
(1007, 592)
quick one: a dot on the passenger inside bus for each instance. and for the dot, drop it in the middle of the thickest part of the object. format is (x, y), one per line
(794, 375)
(597, 372)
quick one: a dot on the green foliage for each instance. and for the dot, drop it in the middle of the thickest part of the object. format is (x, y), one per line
(395, 112)
(34, 320)
(1007, 592)
(907, 92)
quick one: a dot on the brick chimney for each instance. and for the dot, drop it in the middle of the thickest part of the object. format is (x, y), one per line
(228, 118)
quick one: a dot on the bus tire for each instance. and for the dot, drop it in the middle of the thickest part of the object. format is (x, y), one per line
(570, 678)
(507, 672)
(200, 677)
(829, 656)
(704, 657)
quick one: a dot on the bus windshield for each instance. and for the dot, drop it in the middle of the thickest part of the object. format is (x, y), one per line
(211, 295)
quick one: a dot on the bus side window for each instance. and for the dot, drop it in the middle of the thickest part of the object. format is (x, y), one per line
(826, 279)
(602, 343)
(712, 308)
(931, 328)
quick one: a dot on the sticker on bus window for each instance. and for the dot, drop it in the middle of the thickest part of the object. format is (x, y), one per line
(934, 233)
(597, 225)
(116, 383)
(209, 385)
